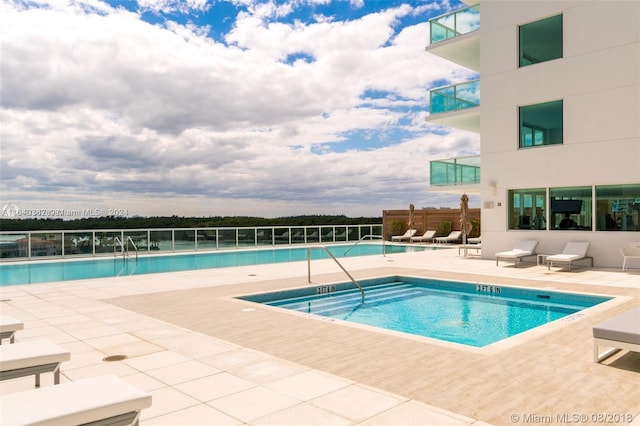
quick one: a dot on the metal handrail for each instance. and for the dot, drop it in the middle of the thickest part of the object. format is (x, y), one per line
(133, 244)
(120, 243)
(384, 247)
(124, 248)
(336, 260)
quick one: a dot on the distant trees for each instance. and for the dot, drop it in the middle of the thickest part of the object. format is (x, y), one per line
(113, 222)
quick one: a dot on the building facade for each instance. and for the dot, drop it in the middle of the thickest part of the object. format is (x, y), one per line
(559, 120)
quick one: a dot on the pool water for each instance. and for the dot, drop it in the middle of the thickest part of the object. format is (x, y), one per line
(65, 270)
(470, 314)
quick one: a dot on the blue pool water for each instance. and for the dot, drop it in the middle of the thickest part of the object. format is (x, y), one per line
(470, 314)
(64, 270)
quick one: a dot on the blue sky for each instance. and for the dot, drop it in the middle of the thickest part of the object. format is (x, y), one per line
(205, 108)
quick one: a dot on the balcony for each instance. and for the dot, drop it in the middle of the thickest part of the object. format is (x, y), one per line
(454, 36)
(462, 172)
(456, 106)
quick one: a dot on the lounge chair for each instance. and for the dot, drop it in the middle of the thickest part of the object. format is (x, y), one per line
(629, 251)
(617, 333)
(8, 327)
(406, 236)
(426, 237)
(453, 237)
(573, 251)
(474, 240)
(105, 400)
(522, 249)
(33, 357)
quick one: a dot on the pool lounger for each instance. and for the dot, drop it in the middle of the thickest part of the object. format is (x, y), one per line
(104, 400)
(617, 333)
(33, 357)
(8, 327)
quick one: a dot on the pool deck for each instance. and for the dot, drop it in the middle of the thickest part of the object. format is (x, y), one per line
(207, 358)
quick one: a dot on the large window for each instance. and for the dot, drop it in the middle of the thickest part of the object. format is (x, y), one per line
(527, 208)
(618, 207)
(540, 41)
(570, 208)
(541, 124)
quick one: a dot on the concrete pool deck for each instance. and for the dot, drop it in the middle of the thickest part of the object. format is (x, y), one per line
(207, 358)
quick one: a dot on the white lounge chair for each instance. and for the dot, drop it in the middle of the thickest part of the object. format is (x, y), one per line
(33, 357)
(426, 237)
(451, 238)
(522, 249)
(573, 251)
(617, 333)
(105, 400)
(406, 236)
(629, 251)
(8, 327)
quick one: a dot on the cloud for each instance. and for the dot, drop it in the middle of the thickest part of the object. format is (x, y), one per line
(99, 104)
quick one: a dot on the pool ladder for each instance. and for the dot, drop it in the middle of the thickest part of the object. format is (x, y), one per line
(124, 247)
(336, 260)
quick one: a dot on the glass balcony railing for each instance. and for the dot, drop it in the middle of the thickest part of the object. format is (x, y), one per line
(454, 24)
(455, 171)
(455, 97)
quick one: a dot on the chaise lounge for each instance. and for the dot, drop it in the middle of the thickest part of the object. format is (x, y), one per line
(617, 333)
(406, 236)
(33, 357)
(8, 328)
(426, 237)
(453, 237)
(105, 400)
(522, 249)
(573, 251)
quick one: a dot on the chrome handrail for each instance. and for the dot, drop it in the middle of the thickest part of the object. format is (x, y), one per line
(336, 260)
(384, 247)
(129, 240)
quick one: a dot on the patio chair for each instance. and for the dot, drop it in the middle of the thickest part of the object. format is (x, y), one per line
(573, 251)
(33, 357)
(629, 251)
(617, 333)
(522, 249)
(8, 327)
(453, 237)
(426, 237)
(406, 236)
(104, 400)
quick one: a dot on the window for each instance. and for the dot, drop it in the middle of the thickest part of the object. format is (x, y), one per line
(570, 208)
(527, 208)
(541, 124)
(540, 41)
(618, 207)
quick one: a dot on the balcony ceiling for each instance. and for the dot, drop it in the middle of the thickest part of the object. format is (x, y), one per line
(466, 119)
(470, 189)
(463, 50)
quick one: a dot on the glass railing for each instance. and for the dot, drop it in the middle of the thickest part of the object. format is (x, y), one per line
(15, 245)
(455, 171)
(455, 97)
(454, 24)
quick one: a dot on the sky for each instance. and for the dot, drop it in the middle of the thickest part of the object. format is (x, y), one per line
(221, 108)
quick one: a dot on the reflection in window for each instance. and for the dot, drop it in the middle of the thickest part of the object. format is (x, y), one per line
(541, 124)
(618, 207)
(570, 208)
(540, 41)
(527, 209)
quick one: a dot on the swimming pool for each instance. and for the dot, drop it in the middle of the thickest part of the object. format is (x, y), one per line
(66, 270)
(466, 313)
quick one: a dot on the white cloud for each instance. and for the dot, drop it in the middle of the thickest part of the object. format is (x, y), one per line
(99, 105)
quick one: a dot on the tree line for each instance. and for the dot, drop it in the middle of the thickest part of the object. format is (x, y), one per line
(114, 222)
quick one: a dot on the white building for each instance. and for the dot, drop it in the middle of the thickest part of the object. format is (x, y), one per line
(559, 120)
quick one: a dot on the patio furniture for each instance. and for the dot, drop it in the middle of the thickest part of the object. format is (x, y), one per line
(522, 249)
(453, 237)
(618, 333)
(8, 327)
(573, 251)
(33, 357)
(406, 236)
(629, 251)
(105, 400)
(426, 237)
